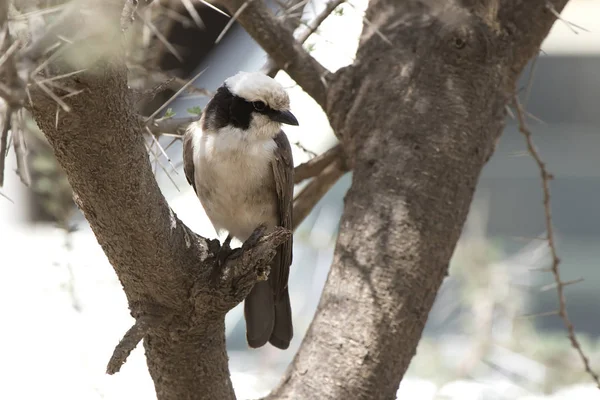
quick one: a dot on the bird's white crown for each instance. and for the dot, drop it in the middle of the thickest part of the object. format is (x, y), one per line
(256, 86)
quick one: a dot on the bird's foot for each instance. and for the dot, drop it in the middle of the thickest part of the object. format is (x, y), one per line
(252, 241)
(224, 252)
(222, 255)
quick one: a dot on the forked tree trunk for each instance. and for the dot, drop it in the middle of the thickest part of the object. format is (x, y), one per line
(417, 114)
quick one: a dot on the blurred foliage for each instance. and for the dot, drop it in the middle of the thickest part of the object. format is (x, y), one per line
(489, 293)
(49, 182)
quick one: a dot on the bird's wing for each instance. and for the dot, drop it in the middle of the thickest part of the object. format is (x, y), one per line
(283, 171)
(188, 157)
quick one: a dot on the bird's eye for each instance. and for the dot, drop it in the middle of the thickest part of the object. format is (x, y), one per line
(259, 105)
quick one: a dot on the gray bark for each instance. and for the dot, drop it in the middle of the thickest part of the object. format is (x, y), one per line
(417, 119)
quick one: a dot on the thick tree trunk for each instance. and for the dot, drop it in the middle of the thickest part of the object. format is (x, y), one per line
(418, 118)
(417, 114)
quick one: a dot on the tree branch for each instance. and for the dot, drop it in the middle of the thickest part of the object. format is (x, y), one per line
(280, 44)
(559, 283)
(314, 166)
(131, 339)
(270, 68)
(313, 25)
(306, 200)
(526, 23)
(4, 142)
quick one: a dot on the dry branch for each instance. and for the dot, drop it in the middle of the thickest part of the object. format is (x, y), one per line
(131, 339)
(310, 195)
(560, 284)
(314, 166)
(313, 25)
(4, 142)
(270, 68)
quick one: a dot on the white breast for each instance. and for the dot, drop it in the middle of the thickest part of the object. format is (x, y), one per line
(234, 180)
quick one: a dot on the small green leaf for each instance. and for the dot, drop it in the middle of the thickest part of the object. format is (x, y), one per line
(169, 113)
(338, 12)
(195, 110)
(310, 47)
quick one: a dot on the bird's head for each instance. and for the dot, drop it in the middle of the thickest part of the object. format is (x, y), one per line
(251, 102)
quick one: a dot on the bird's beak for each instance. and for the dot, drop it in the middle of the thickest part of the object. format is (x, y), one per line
(285, 117)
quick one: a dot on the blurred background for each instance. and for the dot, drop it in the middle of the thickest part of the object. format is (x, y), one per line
(493, 332)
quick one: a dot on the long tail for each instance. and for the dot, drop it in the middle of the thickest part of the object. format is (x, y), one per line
(266, 320)
(283, 330)
(259, 312)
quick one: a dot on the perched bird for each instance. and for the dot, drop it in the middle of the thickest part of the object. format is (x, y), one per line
(239, 162)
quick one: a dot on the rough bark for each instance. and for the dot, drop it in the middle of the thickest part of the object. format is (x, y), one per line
(417, 119)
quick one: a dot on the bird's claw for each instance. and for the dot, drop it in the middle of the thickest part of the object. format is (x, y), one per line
(223, 254)
(252, 241)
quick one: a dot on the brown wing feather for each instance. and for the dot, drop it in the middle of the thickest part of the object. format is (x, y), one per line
(283, 171)
(188, 158)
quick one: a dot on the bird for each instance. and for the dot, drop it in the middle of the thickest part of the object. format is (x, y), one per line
(239, 162)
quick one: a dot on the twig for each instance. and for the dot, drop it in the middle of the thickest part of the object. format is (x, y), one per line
(315, 190)
(54, 78)
(560, 284)
(270, 68)
(311, 153)
(541, 314)
(175, 16)
(20, 149)
(565, 283)
(570, 25)
(134, 335)
(184, 87)
(313, 25)
(53, 96)
(161, 149)
(314, 166)
(372, 26)
(4, 142)
(232, 20)
(206, 3)
(171, 126)
(6, 197)
(160, 37)
(193, 13)
(157, 162)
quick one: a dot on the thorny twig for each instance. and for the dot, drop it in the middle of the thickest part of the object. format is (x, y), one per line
(193, 13)
(310, 153)
(7, 198)
(560, 284)
(313, 25)
(4, 142)
(162, 124)
(184, 87)
(232, 20)
(569, 24)
(310, 195)
(315, 166)
(160, 36)
(270, 68)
